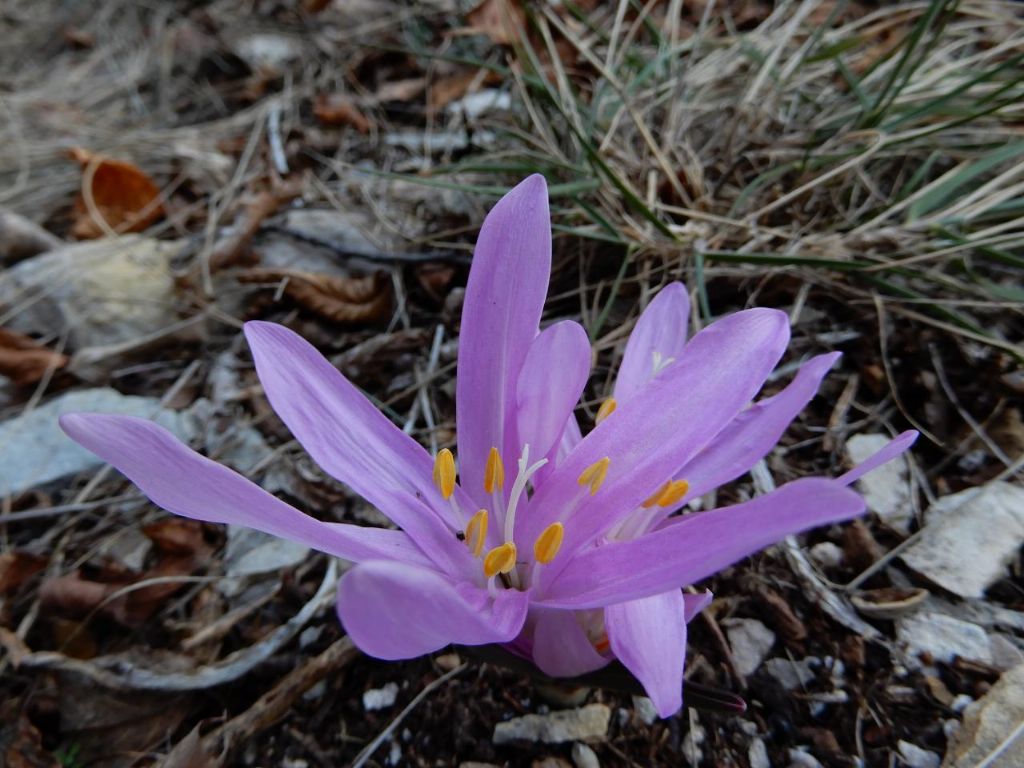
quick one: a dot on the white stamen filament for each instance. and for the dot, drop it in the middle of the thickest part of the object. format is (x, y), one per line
(525, 472)
(660, 363)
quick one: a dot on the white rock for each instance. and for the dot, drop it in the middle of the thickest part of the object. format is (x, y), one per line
(988, 726)
(885, 489)
(103, 292)
(943, 637)
(750, 641)
(915, 757)
(791, 674)
(268, 50)
(827, 555)
(757, 754)
(1006, 654)
(475, 104)
(589, 722)
(380, 698)
(250, 552)
(584, 757)
(800, 759)
(970, 538)
(34, 450)
(645, 710)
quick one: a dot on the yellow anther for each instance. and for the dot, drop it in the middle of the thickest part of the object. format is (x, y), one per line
(675, 491)
(607, 409)
(654, 497)
(444, 473)
(476, 532)
(494, 472)
(500, 559)
(595, 474)
(548, 543)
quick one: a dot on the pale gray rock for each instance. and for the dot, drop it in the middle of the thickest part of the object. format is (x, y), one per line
(827, 555)
(250, 552)
(943, 637)
(798, 758)
(915, 757)
(587, 723)
(35, 451)
(792, 674)
(103, 292)
(1006, 652)
(645, 710)
(887, 488)
(757, 754)
(989, 727)
(584, 757)
(380, 698)
(970, 538)
(21, 238)
(750, 641)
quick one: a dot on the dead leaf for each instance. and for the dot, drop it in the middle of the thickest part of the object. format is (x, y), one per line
(500, 20)
(339, 299)
(122, 194)
(18, 567)
(189, 753)
(24, 361)
(338, 109)
(20, 743)
(233, 249)
(445, 90)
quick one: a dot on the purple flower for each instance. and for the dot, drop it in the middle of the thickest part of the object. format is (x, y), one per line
(562, 547)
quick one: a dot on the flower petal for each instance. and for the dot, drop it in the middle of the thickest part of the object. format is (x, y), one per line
(508, 283)
(550, 384)
(751, 435)
(658, 430)
(660, 330)
(399, 611)
(181, 481)
(696, 603)
(353, 441)
(561, 647)
(649, 637)
(887, 453)
(693, 547)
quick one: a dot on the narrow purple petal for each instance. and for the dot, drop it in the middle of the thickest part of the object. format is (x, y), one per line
(550, 384)
(399, 611)
(753, 433)
(508, 283)
(696, 603)
(658, 430)
(353, 441)
(660, 330)
(181, 481)
(649, 637)
(691, 548)
(887, 453)
(561, 647)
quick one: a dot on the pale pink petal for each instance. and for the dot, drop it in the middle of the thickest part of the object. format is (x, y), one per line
(658, 336)
(887, 453)
(561, 647)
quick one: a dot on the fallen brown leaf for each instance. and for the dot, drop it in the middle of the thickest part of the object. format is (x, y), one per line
(338, 109)
(18, 567)
(122, 194)
(500, 20)
(339, 299)
(25, 361)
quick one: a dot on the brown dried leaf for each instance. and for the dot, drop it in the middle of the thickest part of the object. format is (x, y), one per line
(18, 567)
(189, 753)
(20, 743)
(338, 109)
(500, 20)
(781, 616)
(339, 299)
(24, 361)
(177, 536)
(124, 196)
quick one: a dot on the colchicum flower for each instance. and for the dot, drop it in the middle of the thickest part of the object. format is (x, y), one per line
(563, 548)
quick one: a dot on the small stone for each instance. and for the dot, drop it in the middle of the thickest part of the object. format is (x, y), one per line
(988, 725)
(448, 661)
(757, 754)
(791, 674)
(103, 292)
(960, 702)
(589, 722)
(827, 555)
(645, 710)
(943, 637)
(886, 489)
(970, 538)
(35, 451)
(695, 736)
(915, 757)
(584, 757)
(750, 641)
(380, 698)
(800, 759)
(268, 50)
(1006, 654)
